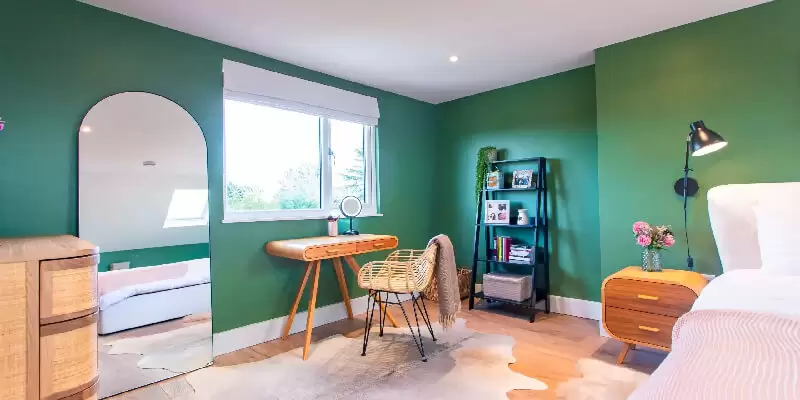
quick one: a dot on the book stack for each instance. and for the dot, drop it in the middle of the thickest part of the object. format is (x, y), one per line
(520, 254)
(503, 246)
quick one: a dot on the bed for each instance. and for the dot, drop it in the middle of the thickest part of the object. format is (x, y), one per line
(142, 296)
(742, 338)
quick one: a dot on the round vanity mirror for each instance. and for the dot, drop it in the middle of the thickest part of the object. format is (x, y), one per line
(350, 207)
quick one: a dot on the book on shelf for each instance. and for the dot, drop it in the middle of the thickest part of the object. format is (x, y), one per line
(521, 260)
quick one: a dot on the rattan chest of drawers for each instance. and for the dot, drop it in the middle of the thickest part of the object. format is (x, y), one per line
(48, 311)
(641, 308)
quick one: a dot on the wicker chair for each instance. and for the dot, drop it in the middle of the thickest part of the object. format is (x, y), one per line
(403, 272)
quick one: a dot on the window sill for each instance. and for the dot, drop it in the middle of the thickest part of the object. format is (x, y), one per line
(264, 218)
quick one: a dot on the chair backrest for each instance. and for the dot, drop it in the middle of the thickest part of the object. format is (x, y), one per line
(733, 220)
(425, 266)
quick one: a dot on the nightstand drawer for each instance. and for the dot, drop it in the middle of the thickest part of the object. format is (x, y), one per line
(639, 326)
(650, 297)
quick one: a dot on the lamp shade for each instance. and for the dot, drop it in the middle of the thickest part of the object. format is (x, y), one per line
(703, 141)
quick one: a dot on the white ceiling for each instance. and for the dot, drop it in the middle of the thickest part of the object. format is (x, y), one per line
(403, 46)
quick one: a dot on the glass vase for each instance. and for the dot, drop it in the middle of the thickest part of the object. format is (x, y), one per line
(651, 260)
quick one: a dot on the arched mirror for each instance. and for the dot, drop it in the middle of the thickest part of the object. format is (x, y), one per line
(143, 200)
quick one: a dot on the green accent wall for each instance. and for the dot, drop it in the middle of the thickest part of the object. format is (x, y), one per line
(154, 255)
(60, 57)
(739, 72)
(552, 117)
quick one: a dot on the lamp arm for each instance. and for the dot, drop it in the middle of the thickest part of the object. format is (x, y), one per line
(689, 259)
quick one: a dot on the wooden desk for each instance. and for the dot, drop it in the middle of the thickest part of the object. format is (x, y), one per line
(315, 249)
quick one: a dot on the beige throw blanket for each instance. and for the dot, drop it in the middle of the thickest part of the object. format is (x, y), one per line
(447, 280)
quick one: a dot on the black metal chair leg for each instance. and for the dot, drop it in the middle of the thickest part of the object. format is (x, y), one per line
(410, 328)
(425, 316)
(368, 322)
(382, 311)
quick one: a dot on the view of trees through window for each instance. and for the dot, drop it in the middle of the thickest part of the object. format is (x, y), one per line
(272, 159)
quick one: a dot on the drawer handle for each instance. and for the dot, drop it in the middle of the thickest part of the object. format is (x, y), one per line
(647, 297)
(333, 251)
(649, 329)
(378, 244)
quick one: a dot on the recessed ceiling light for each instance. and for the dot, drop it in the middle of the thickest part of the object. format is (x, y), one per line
(86, 129)
(453, 58)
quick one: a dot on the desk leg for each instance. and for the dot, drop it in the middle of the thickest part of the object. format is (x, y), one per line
(355, 267)
(312, 302)
(337, 266)
(297, 301)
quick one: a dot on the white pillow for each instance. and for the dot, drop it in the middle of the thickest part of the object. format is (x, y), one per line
(778, 221)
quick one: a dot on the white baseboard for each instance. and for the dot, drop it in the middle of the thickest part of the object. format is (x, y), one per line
(576, 307)
(261, 332)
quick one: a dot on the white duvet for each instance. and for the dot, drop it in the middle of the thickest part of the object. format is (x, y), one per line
(199, 272)
(751, 290)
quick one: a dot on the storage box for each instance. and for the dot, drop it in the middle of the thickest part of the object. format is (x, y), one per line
(507, 286)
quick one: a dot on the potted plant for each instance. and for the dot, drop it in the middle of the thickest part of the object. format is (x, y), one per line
(486, 156)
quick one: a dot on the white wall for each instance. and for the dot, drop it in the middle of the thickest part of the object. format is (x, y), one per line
(123, 204)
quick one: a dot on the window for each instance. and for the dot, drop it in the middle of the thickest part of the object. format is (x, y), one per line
(188, 207)
(285, 164)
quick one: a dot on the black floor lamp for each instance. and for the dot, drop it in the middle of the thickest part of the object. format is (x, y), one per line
(701, 141)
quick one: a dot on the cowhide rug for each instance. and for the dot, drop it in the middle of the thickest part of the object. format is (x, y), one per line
(462, 365)
(601, 381)
(179, 350)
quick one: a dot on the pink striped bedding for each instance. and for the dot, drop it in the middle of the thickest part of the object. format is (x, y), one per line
(730, 355)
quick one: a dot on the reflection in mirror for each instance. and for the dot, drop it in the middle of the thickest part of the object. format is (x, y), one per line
(144, 202)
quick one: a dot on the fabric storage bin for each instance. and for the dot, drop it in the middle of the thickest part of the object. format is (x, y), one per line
(507, 286)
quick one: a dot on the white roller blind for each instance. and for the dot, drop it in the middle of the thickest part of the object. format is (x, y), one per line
(299, 95)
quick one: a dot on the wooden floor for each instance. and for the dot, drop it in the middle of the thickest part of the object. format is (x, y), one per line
(546, 350)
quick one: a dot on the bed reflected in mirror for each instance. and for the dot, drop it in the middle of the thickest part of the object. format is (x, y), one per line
(143, 200)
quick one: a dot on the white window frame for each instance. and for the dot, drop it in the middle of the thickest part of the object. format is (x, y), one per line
(370, 206)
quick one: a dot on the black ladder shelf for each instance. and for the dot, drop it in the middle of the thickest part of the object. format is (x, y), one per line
(540, 268)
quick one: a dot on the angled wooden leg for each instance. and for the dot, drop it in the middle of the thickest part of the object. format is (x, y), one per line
(312, 302)
(624, 352)
(351, 262)
(296, 301)
(337, 266)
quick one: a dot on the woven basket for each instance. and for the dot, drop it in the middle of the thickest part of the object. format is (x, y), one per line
(464, 278)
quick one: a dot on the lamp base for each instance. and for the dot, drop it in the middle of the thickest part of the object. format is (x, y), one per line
(692, 187)
(351, 232)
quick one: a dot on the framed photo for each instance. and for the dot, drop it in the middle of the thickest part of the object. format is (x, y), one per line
(494, 180)
(523, 179)
(497, 212)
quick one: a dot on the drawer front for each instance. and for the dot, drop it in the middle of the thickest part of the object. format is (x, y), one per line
(639, 326)
(68, 289)
(656, 298)
(68, 357)
(336, 250)
(376, 245)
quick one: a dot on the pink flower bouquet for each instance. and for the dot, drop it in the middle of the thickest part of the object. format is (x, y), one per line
(653, 237)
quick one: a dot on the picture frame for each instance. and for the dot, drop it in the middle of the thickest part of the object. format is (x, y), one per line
(523, 179)
(497, 212)
(494, 180)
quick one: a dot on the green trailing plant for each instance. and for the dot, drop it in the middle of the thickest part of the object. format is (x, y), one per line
(481, 169)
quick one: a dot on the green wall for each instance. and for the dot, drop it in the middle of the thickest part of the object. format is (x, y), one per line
(740, 73)
(154, 255)
(552, 117)
(60, 57)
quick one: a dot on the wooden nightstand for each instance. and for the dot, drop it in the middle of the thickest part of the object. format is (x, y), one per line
(640, 308)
